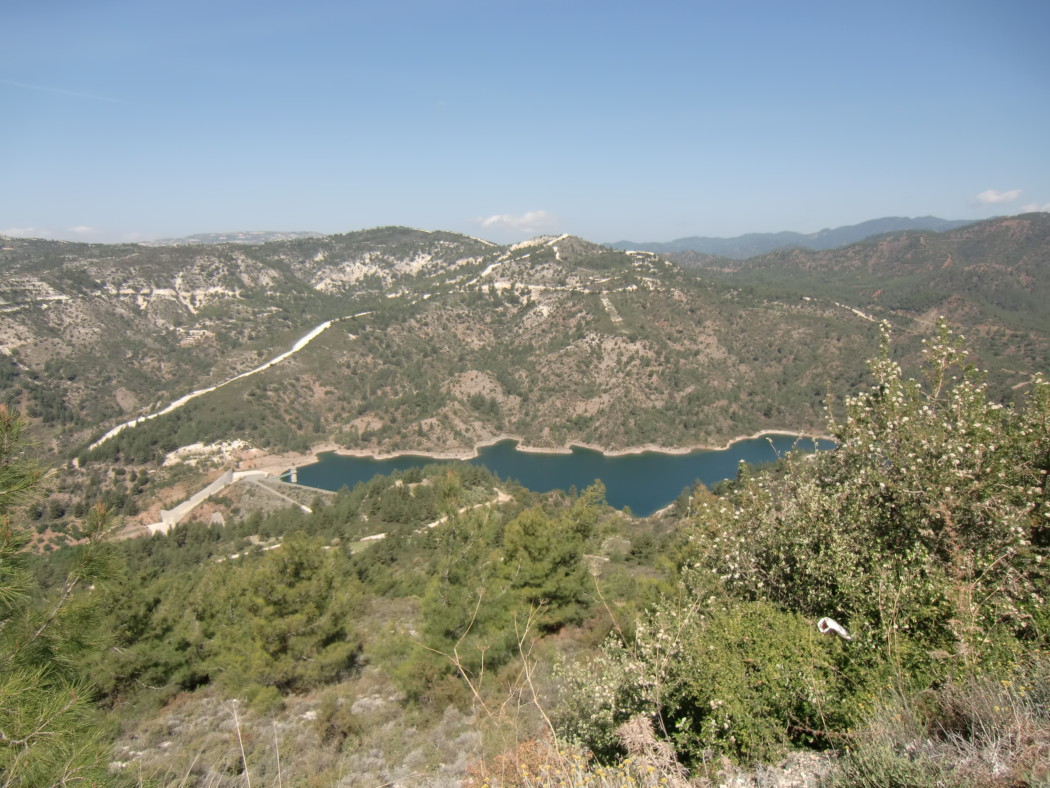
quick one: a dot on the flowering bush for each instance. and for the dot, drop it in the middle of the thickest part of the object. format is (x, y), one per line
(733, 678)
(924, 532)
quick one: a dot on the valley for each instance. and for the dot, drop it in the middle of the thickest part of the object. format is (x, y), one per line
(489, 622)
(527, 297)
(344, 444)
(393, 341)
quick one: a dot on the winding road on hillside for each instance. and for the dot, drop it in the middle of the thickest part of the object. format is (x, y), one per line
(488, 273)
(303, 342)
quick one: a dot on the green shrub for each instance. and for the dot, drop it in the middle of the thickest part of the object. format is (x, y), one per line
(924, 532)
(753, 681)
(744, 680)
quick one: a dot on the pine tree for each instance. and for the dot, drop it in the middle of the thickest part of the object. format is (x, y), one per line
(47, 732)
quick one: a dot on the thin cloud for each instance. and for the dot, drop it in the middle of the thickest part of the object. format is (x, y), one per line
(996, 197)
(80, 232)
(25, 232)
(62, 91)
(528, 222)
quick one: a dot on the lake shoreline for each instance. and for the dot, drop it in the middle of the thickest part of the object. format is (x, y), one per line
(287, 460)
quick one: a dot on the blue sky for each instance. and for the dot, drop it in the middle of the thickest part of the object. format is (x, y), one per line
(610, 120)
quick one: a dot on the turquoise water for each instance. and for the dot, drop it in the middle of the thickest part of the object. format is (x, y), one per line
(645, 482)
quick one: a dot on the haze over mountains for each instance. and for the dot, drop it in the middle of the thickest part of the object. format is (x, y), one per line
(239, 237)
(753, 244)
(738, 247)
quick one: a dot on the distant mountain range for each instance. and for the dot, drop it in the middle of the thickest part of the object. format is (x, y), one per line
(754, 244)
(739, 248)
(241, 237)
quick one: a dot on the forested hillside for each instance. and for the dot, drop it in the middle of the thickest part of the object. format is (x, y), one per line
(511, 638)
(505, 632)
(989, 279)
(554, 341)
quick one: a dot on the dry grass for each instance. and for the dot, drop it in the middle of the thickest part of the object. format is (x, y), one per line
(982, 732)
(547, 763)
(542, 763)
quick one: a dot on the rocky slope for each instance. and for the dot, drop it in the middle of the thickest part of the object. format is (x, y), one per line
(555, 340)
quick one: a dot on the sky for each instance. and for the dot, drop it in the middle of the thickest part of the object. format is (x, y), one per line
(126, 120)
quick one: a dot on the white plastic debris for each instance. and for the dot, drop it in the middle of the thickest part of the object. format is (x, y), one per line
(829, 626)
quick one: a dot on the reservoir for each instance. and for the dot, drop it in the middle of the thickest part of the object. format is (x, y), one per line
(645, 481)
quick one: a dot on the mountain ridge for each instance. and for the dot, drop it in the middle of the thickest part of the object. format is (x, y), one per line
(754, 244)
(235, 237)
(555, 339)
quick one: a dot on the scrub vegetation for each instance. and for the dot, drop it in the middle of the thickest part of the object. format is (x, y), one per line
(549, 640)
(443, 626)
